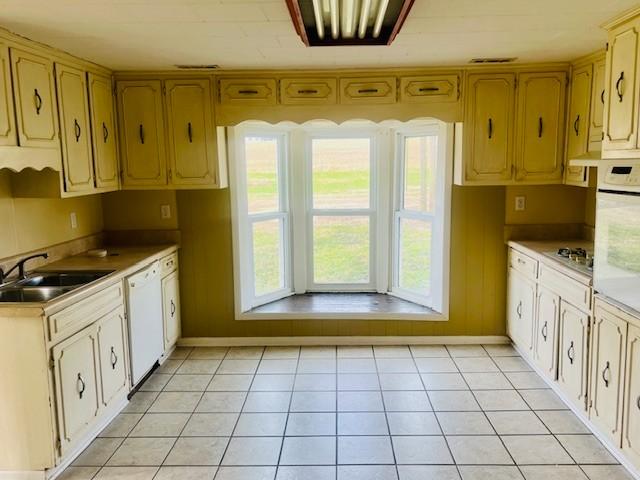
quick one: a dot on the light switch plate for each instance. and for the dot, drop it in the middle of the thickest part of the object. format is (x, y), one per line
(520, 204)
(74, 220)
(165, 211)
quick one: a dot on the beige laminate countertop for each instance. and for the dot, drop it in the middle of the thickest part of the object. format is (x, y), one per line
(538, 248)
(122, 260)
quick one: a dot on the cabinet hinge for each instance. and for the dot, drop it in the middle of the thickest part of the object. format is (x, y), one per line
(121, 175)
(606, 47)
(59, 445)
(52, 363)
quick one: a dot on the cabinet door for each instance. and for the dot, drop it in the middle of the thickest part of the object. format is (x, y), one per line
(368, 91)
(577, 123)
(621, 110)
(7, 115)
(488, 128)
(192, 140)
(609, 339)
(103, 127)
(597, 106)
(34, 100)
(631, 428)
(112, 341)
(171, 309)
(76, 380)
(308, 91)
(74, 124)
(141, 129)
(546, 333)
(259, 92)
(539, 150)
(521, 299)
(572, 353)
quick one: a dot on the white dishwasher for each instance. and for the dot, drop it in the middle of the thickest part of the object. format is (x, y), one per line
(144, 297)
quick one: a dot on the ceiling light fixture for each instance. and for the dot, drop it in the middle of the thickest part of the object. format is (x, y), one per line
(351, 22)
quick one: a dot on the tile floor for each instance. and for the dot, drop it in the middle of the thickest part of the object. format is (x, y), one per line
(319, 413)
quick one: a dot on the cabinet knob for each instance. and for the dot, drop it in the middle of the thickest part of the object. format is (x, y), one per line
(173, 308)
(141, 134)
(540, 127)
(519, 310)
(576, 125)
(490, 128)
(189, 132)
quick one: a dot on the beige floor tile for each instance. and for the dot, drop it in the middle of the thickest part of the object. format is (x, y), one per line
(536, 450)
(121, 425)
(306, 472)
(308, 451)
(358, 381)
(391, 351)
(260, 424)
(199, 367)
(175, 402)
(476, 365)
(214, 402)
(141, 452)
(160, 425)
(238, 366)
(512, 364)
(491, 400)
(313, 382)
(416, 450)
(155, 383)
(281, 353)
(360, 402)
(453, 401)
(487, 381)
(542, 400)
(252, 451)
(210, 425)
(273, 383)
(267, 402)
(356, 365)
(188, 383)
(444, 381)
(197, 451)
(185, 473)
(413, 423)
(140, 402)
(429, 351)
(246, 473)
(490, 472)
(78, 473)
(169, 366)
(412, 401)
(501, 350)
(208, 353)
(431, 472)
(282, 366)
(365, 450)
(464, 423)
(230, 383)
(367, 472)
(478, 450)
(98, 452)
(400, 381)
(562, 421)
(606, 472)
(517, 423)
(362, 423)
(180, 353)
(436, 365)
(526, 380)
(313, 402)
(362, 351)
(317, 365)
(311, 424)
(586, 449)
(552, 472)
(244, 353)
(466, 351)
(318, 352)
(126, 473)
(396, 365)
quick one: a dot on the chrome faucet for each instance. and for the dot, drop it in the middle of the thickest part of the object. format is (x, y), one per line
(20, 266)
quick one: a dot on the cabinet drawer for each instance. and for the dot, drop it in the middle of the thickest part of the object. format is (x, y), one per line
(377, 90)
(242, 92)
(430, 89)
(569, 289)
(73, 318)
(169, 264)
(523, 263)
(308, 91)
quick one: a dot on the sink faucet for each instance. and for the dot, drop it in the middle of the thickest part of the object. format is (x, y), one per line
(20, 267)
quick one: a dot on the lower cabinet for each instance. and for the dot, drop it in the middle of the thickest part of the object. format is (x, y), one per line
(520, 310)
(631, 425)
(171, 309)
(112, 348)
(573, 353)
(546, 332)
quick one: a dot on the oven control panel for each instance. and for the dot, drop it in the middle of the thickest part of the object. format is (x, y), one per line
(620, 177)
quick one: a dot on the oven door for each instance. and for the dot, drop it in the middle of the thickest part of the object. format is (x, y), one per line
(616, 272)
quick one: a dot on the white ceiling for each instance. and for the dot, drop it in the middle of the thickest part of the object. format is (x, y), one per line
(158, 34)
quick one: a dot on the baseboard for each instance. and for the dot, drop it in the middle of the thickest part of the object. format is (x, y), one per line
(340, 340)
(23, 475)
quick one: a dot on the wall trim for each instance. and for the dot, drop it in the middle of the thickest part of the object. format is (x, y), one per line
(340, 340)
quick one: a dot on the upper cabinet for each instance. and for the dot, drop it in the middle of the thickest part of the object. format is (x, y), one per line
(578, 123)
(103, 132)
(7, 115)
(597, 105)
(34, 95)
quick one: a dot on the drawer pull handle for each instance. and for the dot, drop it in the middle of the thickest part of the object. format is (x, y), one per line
(519, 310)
(429, 89)
(76, 127)
(602, 96)
(521, 262)
(571, 353)
(38, 101)
(619, 84)
(545, 331)
(141, 134)
(189, 132)
(173, 308)
(576, 125)
(540, 127)
(490, 128)
(114, 359)
(368, 90)
(638, 402)
(248, 92)
(307, 92)
(105, 132)
(605, 374)
(82, 386)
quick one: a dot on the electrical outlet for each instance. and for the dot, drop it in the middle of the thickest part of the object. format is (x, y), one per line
(74, 220)
(520, 204)
(165, 211)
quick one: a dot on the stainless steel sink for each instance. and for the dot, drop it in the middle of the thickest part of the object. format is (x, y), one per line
(61, 279)
(32, 294)
(44, 286)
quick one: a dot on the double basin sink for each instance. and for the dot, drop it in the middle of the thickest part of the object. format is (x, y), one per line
(44, 286)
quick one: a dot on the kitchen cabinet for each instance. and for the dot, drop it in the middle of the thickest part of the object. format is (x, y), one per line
(546, 331)
(141, 128)
(520, 309)
(368, 91)
(112, 356)
(597, 105)
(74, 124)
(577, 123)
(573, 353)
(308, 91)
(76, 380)
(248, 92)
(631, 421)
(103, 136)
(34, 97)
(608, 350)
(430, 89)
(539, 135)
(171, 310)
(7, 116)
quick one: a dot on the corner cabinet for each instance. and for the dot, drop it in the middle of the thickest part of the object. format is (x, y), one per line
(7, 116)
(103, 132)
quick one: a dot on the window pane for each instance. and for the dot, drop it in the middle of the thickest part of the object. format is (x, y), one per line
(341, 249)
(262, 174)
(267, 257)
(341, 172)
(420, 154)
(415, 256)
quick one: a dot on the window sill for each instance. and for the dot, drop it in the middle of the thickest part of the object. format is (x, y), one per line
(342, 306)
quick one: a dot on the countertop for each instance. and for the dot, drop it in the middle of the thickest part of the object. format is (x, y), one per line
(122, 260)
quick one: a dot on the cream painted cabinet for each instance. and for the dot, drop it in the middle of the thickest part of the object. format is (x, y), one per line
(308, 91)
(74, 124)
(573, 353)
(103, 132)
(193, 153)
(248, 92)
(546, 332)
(112, 348)
(34, 96)
(488, 131)
(597, 105)
(520, 309)
(7, 115)
(577, 122)
(631, 422)
(608, 349)
(141, 129)
(76, 382)
(171, 309)
(368, 91)
(539, 139)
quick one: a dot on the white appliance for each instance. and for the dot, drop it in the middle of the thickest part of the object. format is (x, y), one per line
(617, 242)
(146, 342)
